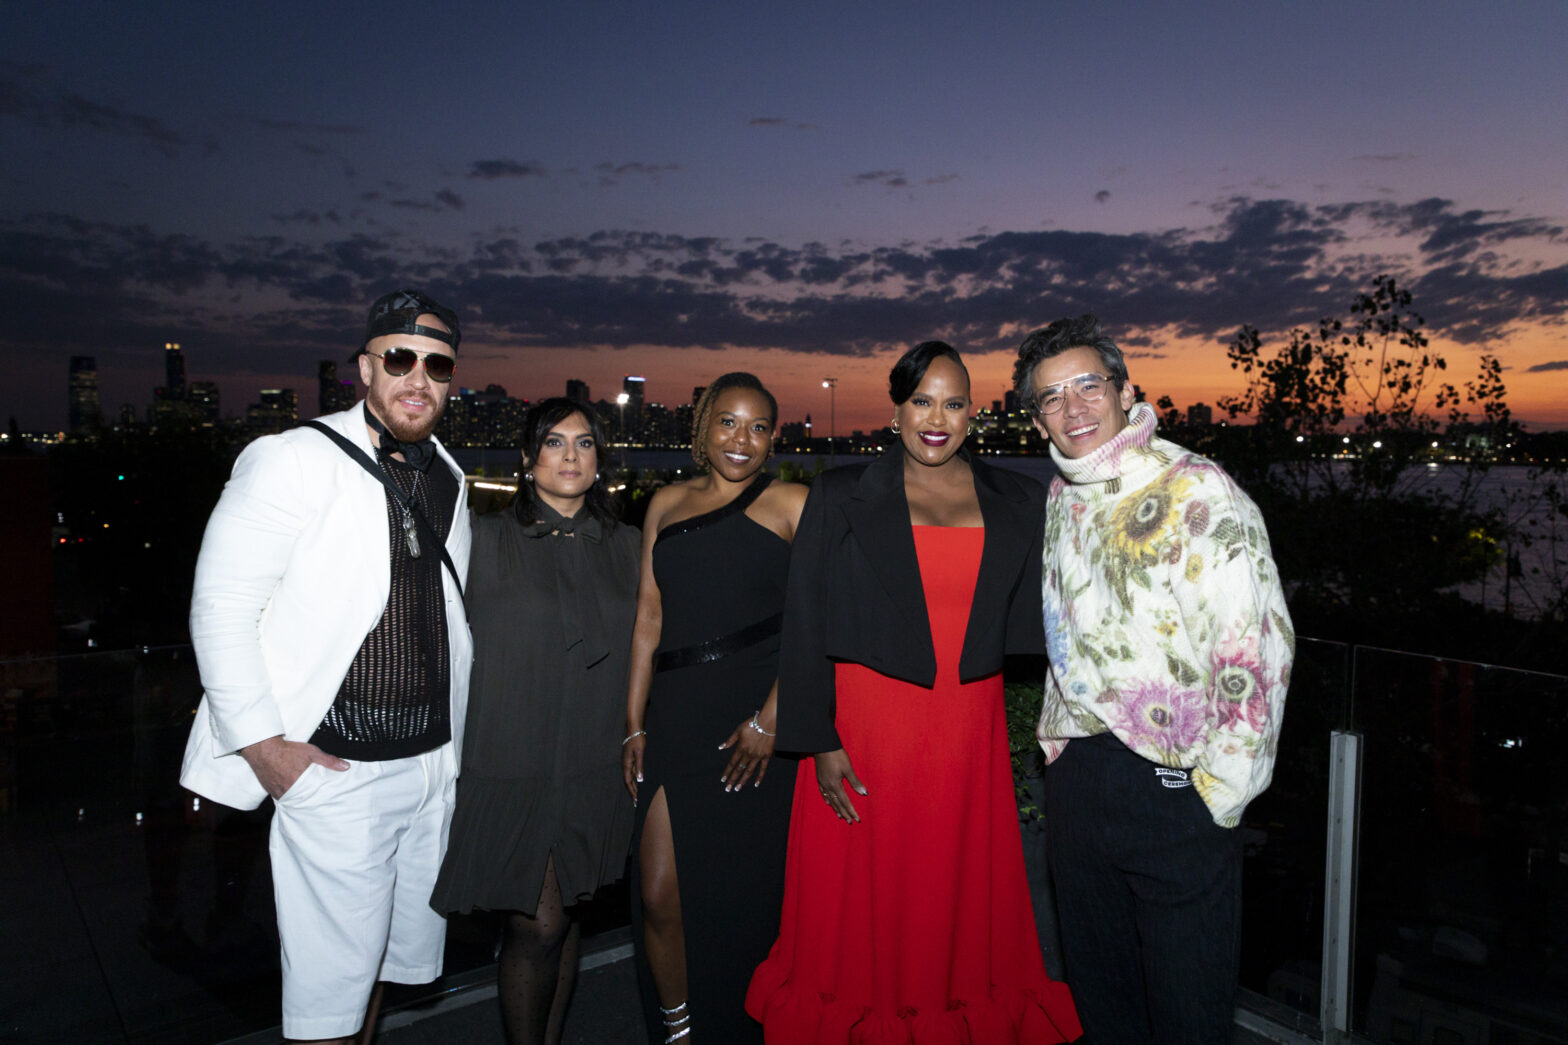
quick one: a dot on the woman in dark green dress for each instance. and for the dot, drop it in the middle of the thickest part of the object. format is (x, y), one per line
(541, 820)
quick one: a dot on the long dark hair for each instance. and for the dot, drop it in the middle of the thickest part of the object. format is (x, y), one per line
(539, 419)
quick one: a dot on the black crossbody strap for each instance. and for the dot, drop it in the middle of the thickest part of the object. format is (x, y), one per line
(426, 531)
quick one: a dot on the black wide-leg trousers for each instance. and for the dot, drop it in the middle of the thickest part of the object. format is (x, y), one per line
(1148, 893)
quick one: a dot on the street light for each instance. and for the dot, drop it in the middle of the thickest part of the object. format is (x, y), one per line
(831, 384)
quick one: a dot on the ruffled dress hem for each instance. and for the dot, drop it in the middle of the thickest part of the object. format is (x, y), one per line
(1011, 1016)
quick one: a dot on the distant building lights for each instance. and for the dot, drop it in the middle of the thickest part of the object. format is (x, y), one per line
(1301, 438)
(1377, 444)
(1346, 440)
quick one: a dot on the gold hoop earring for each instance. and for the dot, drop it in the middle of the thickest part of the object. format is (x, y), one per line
(894, 426)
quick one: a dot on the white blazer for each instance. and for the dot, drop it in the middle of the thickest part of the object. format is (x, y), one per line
(293, 574)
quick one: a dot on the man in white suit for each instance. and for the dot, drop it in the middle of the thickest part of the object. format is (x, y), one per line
(328, 623)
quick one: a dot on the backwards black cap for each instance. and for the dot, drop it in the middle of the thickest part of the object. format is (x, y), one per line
(398, 313)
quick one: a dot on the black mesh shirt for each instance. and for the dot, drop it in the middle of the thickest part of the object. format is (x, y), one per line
(395, 700)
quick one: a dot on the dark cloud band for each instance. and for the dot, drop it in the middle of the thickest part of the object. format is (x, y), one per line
(1271, 263)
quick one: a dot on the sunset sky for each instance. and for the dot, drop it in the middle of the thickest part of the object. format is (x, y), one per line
(678, 189)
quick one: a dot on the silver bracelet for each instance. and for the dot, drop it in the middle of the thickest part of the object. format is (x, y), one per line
(753, 724)
(634, 736)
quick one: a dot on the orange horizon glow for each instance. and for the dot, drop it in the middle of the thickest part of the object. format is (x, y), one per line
(1188, 370)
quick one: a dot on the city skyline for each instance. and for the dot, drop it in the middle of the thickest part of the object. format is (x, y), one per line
(335, 392)
(802, 192)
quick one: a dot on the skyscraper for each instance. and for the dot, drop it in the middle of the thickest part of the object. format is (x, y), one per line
(576, 389)
(326, 386)
(332, 394)
(203, 401)
(284, 400)
(173, 370)
(85, 410)
(633, 387)
(277, 410)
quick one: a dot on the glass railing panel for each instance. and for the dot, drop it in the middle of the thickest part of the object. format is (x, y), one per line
(1462, 893)
(137, 911)
(1284, 834)
(148, 914)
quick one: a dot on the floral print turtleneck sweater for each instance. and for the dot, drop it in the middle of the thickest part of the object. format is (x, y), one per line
(1164, 617)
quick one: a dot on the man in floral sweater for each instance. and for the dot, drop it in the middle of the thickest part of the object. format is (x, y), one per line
(1170, 651)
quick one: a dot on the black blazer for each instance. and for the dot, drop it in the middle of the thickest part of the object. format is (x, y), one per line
(854, 589)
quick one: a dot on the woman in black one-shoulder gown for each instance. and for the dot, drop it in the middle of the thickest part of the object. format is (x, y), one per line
(713, 805)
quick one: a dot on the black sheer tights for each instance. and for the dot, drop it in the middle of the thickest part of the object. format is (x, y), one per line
(538, 968)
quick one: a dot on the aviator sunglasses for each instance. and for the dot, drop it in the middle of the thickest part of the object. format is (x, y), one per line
(1088, 387)
(397, 362)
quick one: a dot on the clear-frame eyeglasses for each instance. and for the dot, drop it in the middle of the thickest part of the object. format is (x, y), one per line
(1088, 387)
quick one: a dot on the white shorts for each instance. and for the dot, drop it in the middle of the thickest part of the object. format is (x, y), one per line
(354, 857)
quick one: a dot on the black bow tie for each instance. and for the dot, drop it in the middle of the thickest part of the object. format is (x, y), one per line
(551, 523)
(415, 455)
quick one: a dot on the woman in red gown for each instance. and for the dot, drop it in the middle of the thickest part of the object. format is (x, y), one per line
(907, 918)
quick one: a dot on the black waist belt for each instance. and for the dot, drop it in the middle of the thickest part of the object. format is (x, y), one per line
(713, 649)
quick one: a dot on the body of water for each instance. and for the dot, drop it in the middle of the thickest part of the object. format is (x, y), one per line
(476, 461)
(1512, 489)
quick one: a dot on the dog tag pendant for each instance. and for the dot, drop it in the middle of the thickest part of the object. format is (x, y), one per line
(410, 534)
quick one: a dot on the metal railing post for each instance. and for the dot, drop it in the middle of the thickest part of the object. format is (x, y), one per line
(1339, 884)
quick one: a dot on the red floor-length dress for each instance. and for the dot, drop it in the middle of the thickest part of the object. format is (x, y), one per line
(914, 927)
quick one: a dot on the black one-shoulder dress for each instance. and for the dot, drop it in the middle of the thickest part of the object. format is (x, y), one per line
(721, 578)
